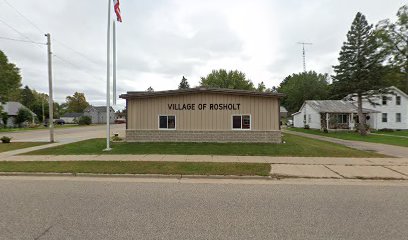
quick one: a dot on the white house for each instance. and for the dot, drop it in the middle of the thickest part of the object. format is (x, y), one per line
(328, 114)
(71, 117)
(388, 111)
(98, 114)
(392, 110)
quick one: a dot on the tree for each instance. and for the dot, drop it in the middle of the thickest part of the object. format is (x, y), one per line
(27, 97)
(150, 89)
(303, 86)
(394, 37)
(261, 87)
(10, 78)
(76, 103)
(223, 79)
(359, 70)
(184, 84)
(23, 115)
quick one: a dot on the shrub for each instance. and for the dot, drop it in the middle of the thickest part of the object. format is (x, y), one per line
(307, 127)
(84, 120)
(23, 115)
(325, 130)
(5, 139)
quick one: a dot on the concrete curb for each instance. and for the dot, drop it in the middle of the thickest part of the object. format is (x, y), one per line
(176, 176)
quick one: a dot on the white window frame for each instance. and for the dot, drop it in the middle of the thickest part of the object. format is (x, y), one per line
(167, 115)
(386, 117)
(241, 129)
(396, 117)
(396, 100)
(384, 98)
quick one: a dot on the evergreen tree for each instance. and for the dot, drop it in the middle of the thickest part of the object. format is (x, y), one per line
(184, 84)
(359, 69)
(150, 89)
(27, 97)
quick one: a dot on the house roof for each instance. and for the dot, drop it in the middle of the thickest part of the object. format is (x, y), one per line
(72, 115)
(146, 94)
(335, 106)
(282, 109)
(11, 108)
(392, 91)
(98, 108)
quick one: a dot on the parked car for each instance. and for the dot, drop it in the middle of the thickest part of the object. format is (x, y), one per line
(120, 120)
(59, 122)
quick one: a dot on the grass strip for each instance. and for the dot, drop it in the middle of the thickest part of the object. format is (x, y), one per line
(132, 167)
(295, 146)
(391, 140)
(4, 147)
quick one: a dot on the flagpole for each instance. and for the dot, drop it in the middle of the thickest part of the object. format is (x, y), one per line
(108, 81)
(114, 63)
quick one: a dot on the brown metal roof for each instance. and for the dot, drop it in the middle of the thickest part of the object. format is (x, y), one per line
(146, 94)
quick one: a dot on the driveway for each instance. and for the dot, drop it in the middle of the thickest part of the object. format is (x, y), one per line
(67, 135)
(390, 150)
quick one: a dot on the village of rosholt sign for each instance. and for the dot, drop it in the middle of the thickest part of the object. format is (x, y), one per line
(203, 106)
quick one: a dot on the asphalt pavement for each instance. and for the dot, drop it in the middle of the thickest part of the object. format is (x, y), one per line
(66, 135)
(127, 208)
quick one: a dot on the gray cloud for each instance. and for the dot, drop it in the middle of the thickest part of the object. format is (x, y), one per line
(160, 41)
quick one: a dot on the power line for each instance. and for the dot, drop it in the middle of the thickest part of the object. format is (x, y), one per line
(14, 29)
(28, 20)
(20, 40)
(41, 31)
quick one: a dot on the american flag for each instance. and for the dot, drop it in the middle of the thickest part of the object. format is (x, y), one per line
(117, 10)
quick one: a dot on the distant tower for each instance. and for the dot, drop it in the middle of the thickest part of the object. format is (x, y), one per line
(304, 54)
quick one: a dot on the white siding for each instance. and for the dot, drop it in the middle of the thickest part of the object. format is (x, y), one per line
(391, 108)
(312, 118)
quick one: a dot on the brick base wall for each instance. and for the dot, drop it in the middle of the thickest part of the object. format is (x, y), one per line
(203, 136)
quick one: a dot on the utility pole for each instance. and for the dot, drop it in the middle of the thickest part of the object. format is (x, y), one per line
(50, 101)
(304, 54)
(42, 106)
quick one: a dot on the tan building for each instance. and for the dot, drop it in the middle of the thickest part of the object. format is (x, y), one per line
(203, 115)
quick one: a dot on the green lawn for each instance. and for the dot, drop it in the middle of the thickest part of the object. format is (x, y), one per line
(403, 133)
(391, 140)
(120, 167)
(294, 146)
(4, 147)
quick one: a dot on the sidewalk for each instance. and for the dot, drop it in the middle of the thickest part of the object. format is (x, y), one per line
(389, 150)
(281, 167)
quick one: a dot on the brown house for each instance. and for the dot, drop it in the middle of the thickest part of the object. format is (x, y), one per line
(203, 115)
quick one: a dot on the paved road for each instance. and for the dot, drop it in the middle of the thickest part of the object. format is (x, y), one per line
(67, 134)
(118, 208)
(389, 150)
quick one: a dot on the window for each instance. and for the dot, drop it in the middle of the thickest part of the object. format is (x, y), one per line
(310, 118)
(398, 100)
(384, 117)
(398, 117)
(342, 118)
(167, 122)
(384, 100)
(241, 122)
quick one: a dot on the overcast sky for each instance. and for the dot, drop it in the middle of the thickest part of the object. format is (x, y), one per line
(160, 41)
